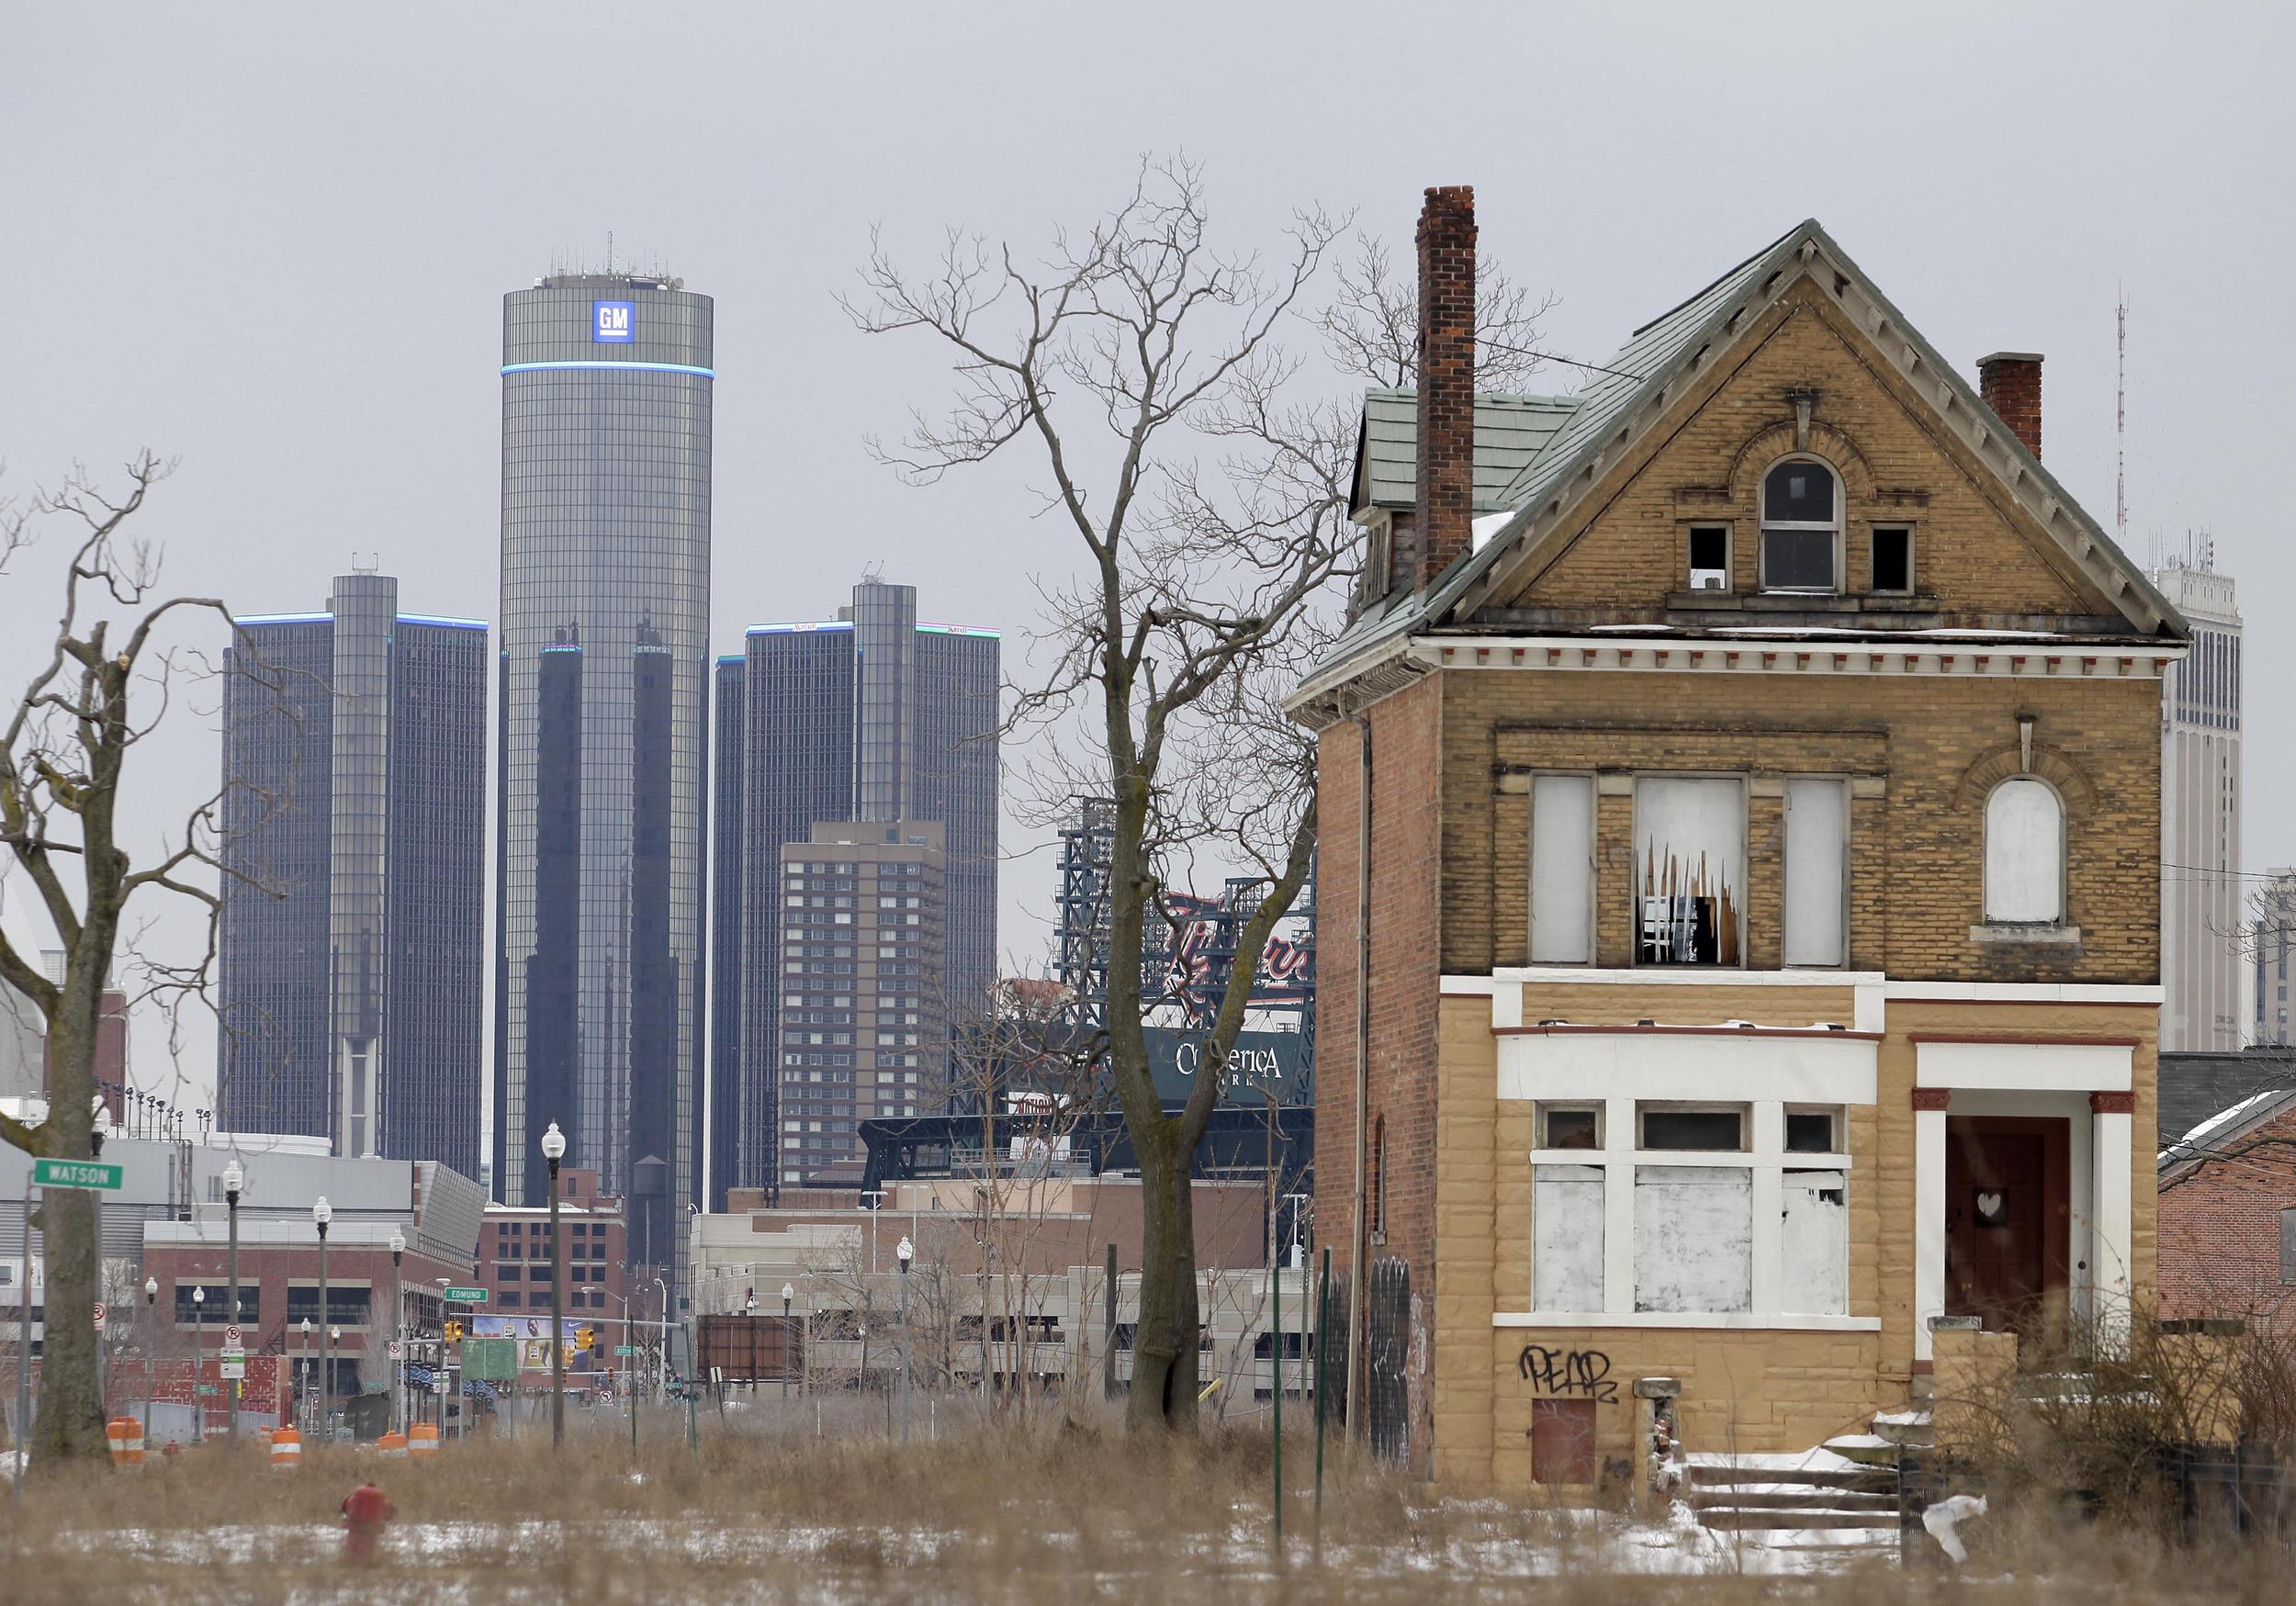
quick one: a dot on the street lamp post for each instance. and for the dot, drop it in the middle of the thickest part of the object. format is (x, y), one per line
(397, 1329)
(307, 1371)
(662, 1362)
(554, 1151)
(234, 1183)
(905, 1252)
(198, 1363)
(322, 1213)
(151, 1341)
(788, 1294)
(438, 1371)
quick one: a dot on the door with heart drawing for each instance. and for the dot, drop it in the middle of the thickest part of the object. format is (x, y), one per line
(2007, 1222)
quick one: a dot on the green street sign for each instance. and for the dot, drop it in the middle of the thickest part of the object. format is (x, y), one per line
(209, 1389)
(491, 1360)
(625, 1349)
(466, 1296)
(75, 1173)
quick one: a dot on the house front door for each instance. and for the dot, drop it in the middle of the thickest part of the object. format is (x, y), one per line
(2007, 1222)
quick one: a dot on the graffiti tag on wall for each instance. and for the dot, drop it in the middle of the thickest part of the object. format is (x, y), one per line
(1581, 1372)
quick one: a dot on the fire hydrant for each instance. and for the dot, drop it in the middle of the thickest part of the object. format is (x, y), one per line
(364, 1511)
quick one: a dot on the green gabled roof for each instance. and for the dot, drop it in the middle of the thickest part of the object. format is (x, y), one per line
(1510, 433)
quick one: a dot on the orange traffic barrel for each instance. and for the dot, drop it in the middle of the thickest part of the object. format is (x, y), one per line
(286, 1448)
(392, 1447)
(423, 1440)
(125, 1435)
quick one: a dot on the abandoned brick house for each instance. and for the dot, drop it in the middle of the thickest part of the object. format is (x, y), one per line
(2228, 1212)
(1739, 871)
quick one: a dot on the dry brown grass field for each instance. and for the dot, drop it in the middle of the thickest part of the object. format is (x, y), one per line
(1051, 1513)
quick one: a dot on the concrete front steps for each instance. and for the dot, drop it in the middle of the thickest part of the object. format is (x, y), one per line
(1821, 1496)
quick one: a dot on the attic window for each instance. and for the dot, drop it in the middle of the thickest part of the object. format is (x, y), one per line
(1893, 559)
(1801, 527)
(1709, 557)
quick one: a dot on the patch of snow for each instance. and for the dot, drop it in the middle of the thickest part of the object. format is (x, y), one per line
(1818, 1460)
(1480, 531)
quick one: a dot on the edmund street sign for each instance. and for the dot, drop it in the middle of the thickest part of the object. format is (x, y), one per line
(75, 1173)
(466, 1296)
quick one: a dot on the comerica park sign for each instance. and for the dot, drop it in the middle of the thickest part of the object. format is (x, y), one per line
(1262, 1063)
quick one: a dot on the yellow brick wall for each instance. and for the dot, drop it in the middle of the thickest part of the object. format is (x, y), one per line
(1750, 1391)
(1972, 548)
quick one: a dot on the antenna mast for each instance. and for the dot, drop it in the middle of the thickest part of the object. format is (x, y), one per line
(2120, 422)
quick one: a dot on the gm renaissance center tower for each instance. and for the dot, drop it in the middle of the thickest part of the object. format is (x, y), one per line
(606, 392)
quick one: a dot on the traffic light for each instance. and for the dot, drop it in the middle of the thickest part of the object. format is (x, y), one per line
(585, 1338)
(453, 1333)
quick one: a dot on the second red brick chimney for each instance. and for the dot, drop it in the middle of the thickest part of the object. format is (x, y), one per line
(2010, 383)
(1446, 500)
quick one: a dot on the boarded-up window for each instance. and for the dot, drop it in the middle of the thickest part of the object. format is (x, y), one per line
(1562, 870)
(2287, 1246)
(1567, 1238)
(1815, 1255)
(1816, 841)
(1562, 1441)
(1689, 872)
(1693, 1238)
(2024, 853)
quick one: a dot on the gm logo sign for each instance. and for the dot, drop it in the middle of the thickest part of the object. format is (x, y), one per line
(613, 321)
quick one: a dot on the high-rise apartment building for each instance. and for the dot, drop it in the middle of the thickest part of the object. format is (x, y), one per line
(606, 443)
(2202, 941)
(862, 1034)
(351, 949)
(872, 716)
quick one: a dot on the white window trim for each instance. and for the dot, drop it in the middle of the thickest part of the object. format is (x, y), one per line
(1729, 555)
(1785, 895)
(1767, 1161)
(1763, 525)
(1593, 859)
(1988, 929)
(1634, 881)
(1913, 538)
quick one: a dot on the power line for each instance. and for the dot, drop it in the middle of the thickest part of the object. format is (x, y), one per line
(1551, 358)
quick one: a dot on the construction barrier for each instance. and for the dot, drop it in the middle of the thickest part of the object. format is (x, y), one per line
(423, 1440)
(286, 1448)
(125, 1435)
(391, 1447)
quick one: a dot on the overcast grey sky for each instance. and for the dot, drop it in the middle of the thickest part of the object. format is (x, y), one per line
(272, 241)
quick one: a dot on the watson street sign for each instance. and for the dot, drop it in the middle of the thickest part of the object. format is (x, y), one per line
(75, 1173)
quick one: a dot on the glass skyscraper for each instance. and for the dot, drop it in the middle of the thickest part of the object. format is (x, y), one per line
(350, 950)
(870, 717)
(606, 441)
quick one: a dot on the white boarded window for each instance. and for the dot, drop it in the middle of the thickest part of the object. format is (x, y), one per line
(1567, 1238)
(1693, 1238)
(1816, 870)
(2024, 853)
(1814, 1259)
(1562, 870)
(1689, 870)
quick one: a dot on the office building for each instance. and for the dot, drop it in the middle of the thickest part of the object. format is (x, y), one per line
(2200, 926)
(606, 449)
(350, 952)
(872, 716)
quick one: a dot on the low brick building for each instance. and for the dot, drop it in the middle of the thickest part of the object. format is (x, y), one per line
(2228, 1214)
(514, 1252)
(1738, 879)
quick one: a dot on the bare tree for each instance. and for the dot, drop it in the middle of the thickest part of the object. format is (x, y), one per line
(1371, 326)
(104, 683)
(1138, 365)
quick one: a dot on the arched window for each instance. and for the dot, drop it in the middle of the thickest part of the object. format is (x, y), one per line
(1801, 527)
(2024, 853)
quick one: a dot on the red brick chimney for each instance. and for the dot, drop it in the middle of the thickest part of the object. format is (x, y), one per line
(1447, 385)
(2010, 383)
